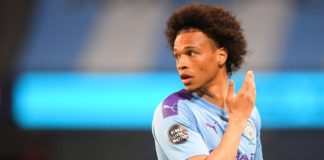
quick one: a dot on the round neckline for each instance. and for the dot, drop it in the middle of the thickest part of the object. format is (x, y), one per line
(213, 107)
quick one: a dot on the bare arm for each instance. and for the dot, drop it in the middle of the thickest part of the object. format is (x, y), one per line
(239, 108)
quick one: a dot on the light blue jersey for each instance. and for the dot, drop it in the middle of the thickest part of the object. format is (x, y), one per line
(185, 125)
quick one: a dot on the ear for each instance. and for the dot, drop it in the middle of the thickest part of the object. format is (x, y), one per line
(222, 55)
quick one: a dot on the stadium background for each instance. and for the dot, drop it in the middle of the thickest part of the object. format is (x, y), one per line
(80, 79)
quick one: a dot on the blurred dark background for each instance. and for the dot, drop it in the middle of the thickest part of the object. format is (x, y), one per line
(105, 40)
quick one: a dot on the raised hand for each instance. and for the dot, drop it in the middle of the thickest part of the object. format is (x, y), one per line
(240, 106)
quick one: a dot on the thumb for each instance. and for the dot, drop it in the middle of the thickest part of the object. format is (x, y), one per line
(230, 92)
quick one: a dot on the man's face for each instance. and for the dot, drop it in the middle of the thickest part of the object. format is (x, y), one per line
(197, 60)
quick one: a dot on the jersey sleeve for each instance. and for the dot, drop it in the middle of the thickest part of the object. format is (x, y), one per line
(257, 121)
(178, 136)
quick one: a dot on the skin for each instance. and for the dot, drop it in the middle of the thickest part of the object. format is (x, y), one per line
(201, 66)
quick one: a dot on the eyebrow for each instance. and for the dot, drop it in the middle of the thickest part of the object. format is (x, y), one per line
(186, 48)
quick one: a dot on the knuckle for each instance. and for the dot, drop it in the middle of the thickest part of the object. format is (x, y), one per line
(245, 95)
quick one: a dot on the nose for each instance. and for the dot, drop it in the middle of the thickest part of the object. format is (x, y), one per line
(182, 63)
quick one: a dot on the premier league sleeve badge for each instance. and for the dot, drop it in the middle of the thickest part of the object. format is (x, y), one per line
(178, 134)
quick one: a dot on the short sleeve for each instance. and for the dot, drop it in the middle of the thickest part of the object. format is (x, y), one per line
(178, 136)
(257, 120)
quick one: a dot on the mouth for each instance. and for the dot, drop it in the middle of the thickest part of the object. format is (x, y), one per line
(186, 79)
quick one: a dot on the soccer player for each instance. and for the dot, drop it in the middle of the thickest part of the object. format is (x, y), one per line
(206, 120)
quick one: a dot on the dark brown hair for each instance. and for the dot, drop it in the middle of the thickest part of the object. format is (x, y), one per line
(217, 23)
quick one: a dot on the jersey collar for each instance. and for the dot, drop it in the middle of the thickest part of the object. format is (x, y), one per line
(214, 108)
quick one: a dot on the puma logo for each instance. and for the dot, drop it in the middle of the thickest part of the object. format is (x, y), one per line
(212, 126)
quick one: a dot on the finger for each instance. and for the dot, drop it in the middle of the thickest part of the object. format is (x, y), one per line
(253, 87)
(230, 92)
(248, 80)
(253, 92)
(253, 95)
(252, 79)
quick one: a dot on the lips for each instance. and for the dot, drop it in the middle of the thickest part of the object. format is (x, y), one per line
(186, 79)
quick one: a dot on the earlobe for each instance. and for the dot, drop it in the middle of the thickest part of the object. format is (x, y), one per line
(222, 53)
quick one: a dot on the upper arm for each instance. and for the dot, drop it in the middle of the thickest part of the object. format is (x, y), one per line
(197, 158)
(258, 152)
(257, 121)
(178, 137)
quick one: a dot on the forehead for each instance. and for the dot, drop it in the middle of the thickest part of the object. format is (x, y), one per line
(194, 38)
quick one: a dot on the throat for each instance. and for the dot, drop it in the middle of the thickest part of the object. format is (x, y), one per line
(217, 99)
(215, 91)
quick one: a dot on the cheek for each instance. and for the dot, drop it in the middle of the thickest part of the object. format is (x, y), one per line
(203, 71)
(207, 66)
(208, 70)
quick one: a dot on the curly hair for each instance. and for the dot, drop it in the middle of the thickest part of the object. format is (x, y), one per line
(218, 24)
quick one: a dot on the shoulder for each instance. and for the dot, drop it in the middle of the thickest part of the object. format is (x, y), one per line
(174, 110)
(174, 128)
(171, 105)
(171, 113)
(255, 117)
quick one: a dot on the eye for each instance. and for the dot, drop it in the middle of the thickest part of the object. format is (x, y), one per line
(176, 56)
(191, 53)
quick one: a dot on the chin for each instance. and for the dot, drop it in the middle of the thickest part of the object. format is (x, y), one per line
(190, 88)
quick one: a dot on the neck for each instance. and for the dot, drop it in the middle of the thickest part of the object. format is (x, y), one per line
(216, 91)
